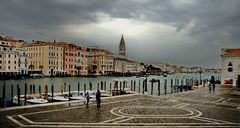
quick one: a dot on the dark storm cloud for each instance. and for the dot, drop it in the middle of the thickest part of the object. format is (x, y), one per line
(202, 27)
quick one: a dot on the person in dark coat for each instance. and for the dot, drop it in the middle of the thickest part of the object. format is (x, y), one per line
(212, 82)
(87, 98)
(98, 98)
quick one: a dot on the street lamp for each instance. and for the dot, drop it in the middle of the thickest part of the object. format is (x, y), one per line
(147, 74)
(165, 74)
(200, 73)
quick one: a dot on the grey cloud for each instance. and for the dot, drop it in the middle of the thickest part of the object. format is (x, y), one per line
(211, 24)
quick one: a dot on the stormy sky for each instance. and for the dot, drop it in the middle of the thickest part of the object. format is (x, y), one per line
(182, 32)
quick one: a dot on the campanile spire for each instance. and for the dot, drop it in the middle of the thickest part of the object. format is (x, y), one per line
(122, 47)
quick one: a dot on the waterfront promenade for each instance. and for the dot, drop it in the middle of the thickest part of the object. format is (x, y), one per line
(197, 108)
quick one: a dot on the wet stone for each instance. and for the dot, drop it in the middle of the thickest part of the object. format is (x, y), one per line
(185, 109)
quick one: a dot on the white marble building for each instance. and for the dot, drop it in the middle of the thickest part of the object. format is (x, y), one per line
(230, 66)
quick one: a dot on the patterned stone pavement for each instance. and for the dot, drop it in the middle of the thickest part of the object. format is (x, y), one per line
(197, 108)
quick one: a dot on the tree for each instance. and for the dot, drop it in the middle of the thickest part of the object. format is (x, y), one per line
(41, 67)
(78, 68)
(31, 66)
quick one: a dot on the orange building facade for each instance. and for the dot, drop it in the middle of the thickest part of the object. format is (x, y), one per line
(82, 64)
(100, 62)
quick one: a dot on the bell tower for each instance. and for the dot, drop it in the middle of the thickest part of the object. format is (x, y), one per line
(122, 47)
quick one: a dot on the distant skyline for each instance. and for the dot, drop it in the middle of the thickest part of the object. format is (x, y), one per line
(181, 32)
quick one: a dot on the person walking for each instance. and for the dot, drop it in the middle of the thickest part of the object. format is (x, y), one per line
(87, 98)
(209, 85)
(212, 82)
(98, 98)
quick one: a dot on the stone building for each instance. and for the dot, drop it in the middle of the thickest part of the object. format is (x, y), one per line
(13, 61)
(230, 66)
(13, 42)
(82, 65)
(45, 58)
(70, 54)
(100, 61)
(120, 64)
(134, 67)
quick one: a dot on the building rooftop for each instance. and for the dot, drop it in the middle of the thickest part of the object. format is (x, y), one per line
(232, 52)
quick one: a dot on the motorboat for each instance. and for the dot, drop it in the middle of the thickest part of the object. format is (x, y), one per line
(37, 101)
(36, 76)
(22, 99)
(58, 98)
(77, 97)
(105, 93)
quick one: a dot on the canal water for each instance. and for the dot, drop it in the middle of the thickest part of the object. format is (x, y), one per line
(73, 81)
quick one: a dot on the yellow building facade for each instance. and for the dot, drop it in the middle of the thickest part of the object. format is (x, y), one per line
(45, 58)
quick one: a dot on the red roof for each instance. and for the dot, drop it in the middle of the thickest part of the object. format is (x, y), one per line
(234, 52)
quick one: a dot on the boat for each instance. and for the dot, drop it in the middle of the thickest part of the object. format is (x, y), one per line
(36, 76)
(77, 97)
(15, 99)
(105, 93)
(127, 90)
(58, 98)
(37, 101)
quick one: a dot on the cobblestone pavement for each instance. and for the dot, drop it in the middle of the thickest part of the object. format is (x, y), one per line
(197, 108)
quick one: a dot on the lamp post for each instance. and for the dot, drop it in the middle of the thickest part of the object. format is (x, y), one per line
(200, 75)
(147, 74)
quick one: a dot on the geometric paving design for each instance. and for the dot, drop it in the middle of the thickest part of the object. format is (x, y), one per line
(196, 108)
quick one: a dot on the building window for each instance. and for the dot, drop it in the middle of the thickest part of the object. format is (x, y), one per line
(9, 61)
(9, 55)
(8, 67)
(0, 61)
(1, 56)
(230, 69)
(0, 67)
